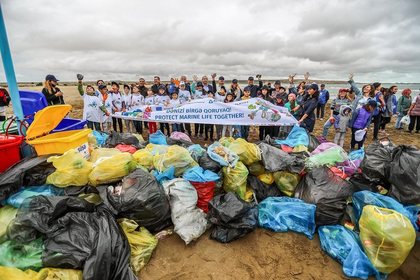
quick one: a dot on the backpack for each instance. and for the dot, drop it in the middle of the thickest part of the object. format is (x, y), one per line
(4, 98)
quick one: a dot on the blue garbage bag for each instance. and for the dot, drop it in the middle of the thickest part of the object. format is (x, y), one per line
(229, 160)
(158, 138)
(17, 199)
(281, 214)
(357, 154)
(168, 174)
(344, 246)
(363, 198)
(296, 137)
(196, 151)
(100, 137)
(198, 174)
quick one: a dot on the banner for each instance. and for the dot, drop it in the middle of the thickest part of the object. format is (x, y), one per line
(254, 111)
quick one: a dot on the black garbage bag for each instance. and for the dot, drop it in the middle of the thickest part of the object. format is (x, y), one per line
(142, 199)
(232, 217)
(328, 191)
(376, 162)
(361, 182)
(208, 164)
(275, 159)
(313, 143)
(179, 142)
(27, 172)
(404, 175)
(262, 190)
(116, 138)
(76, 235)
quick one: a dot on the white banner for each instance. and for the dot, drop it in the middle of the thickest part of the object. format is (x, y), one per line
(254, 111)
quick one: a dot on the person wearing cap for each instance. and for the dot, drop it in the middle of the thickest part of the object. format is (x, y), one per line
(254, 88)
(308, 106)
(220, 82)
(106, 100)
(117, 105)
(360, 120)
(52, 93)
(183, 79)
(342, 99)
(324, 96)
(184, 95)
(93, 109)
(236, 90)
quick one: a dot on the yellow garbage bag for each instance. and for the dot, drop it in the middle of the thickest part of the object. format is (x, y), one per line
(300, 148)
(157, 149)
(248, 153)
(256, 168)
(72, 169)
(145, 158)
(103, 153)
(226, 141)
(7, 214)
(142, 243)
(286, 182)
(387, 237)
(234, 179)
(176, 156)
(266, 178)
(12, 273)
(112, 169)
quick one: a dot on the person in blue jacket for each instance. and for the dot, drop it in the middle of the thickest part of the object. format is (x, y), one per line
(308, 106)
(324, 96)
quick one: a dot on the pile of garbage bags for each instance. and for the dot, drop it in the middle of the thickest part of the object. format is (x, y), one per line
(100, 217)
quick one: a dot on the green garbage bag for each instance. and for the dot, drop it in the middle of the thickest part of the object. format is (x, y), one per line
(234, 179)
(387, 237)
(7, 214)
(286, 181)
(142, 243)
(329, 157)
(22, 255)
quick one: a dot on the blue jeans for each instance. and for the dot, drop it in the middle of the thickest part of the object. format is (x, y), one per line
(176, 127)
(398, 123)
(327, 126)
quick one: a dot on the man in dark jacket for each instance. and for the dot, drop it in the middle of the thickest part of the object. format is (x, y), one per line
(254, 88)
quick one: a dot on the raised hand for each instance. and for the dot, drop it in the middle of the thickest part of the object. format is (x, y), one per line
(213, 76)
(306, 76)
(195, 78)
(351, 75)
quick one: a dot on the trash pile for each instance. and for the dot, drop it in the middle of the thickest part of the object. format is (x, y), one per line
(101, 217)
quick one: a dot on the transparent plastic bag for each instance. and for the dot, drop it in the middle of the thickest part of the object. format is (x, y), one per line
(387, 237)
(25, 255)
(103, 153)
(248, 152)
(7, 214)
(157, 149)
(112, 169)
(142, 243)
(72, 169)
(329, 157)
(286, 182)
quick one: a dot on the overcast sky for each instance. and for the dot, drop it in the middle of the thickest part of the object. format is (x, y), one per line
(378, 40)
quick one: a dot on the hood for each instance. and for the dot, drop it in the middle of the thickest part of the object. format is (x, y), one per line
(344, 107)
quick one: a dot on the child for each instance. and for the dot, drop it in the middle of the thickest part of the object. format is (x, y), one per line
(221, 94)
(341, 124)
(292, 104)
(127, 107)
(199, 93)
(342, 99)
(174, 102)
(150, 100)
(244, 129)
(163, 99)
(228, 128)
(107, 103)
(92, 107)
(4, 102)
(209, 128)
(137, 102)
(117, 105)
(361, 120)
(184, 95)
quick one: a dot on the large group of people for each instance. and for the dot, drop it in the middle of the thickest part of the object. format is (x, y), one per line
(353, 109)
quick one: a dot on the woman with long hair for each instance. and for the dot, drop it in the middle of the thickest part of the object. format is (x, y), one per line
(361, 96)
(308, 106)
(52, 93)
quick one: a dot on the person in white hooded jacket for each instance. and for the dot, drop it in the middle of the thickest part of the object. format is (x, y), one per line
(341, 123)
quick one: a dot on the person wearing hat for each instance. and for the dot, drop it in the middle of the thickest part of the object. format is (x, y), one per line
(308, 106)
(360, 120)
(324, 96)
(254, 88)
(52, 93)
(183, 79)
(183, 94)
(220, 82)
(236, 90)
(341, 100)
